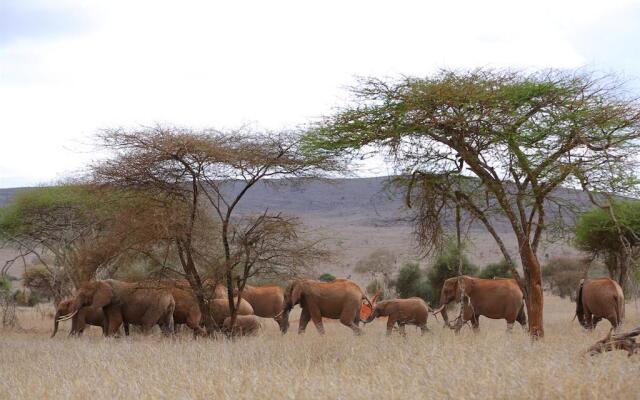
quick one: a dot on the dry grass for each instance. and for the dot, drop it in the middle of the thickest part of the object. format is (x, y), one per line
(491, 364)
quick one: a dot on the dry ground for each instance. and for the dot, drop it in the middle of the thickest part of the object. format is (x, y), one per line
(491, 364)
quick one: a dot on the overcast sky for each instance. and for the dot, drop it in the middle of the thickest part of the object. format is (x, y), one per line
(69, 68)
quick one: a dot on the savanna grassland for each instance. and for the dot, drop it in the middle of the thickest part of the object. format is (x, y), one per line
(491, 364)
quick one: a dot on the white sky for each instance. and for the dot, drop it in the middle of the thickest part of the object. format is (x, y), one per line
(68, 68)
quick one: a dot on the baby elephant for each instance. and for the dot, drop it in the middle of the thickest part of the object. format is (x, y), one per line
(412, 311)
(246, 325)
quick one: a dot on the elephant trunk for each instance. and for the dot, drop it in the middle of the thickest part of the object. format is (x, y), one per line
(374, 314)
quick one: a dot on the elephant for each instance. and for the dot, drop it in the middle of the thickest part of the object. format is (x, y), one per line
(411, 311)
(124, 302)
(187, 310)
(598, 299)
(492, 298)
(267, 302)
(338, 299)
(246, 325)
(220, 309)
(85, 316)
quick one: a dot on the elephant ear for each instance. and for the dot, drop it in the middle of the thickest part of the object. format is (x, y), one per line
(296, 293)
(103, 295)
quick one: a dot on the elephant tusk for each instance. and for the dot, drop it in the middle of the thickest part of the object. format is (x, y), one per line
(68, 316)
(439, 309)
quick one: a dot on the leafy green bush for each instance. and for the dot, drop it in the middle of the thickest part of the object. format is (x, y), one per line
(411, 281)
(446, 266)
(5, 285)
(496, 270)
(326, 277)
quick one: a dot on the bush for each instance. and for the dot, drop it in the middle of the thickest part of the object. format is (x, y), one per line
(5, 286)
(326, 277)
(446, 266)
(26, 298)
(411, 281)
(496, 270)
(562, 275)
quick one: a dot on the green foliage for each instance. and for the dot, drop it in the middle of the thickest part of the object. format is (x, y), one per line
(446, 266)
(562, 275)
(5, 285)
(411, 281)
(326, 277)
(496, 270)
(596, 231)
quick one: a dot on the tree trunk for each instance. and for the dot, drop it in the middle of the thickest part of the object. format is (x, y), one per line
(534, 295)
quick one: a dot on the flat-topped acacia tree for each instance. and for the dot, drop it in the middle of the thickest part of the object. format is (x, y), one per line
(492, 142)
(209, 172)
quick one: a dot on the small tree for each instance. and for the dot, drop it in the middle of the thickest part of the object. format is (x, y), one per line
(612, 234)
(562, 275)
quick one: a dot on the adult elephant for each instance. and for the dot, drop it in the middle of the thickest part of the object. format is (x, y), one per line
(187, 310)
(492, 298)
(598, 299)
(339, 299)
(267, 302)
(85, 316)
(127, 302)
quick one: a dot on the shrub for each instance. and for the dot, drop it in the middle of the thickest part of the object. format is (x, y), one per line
(411, 281)
(26, 298)
(446, 266)
(562, 275)
(5, 286)
(326, 277)
(496, 270)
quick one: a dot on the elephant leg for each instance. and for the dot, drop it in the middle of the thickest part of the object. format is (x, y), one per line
(316, 317)
(304, 320)
(113, 320)
(423, 328)
(347, 319)
(509, 327)
(80, 323)
(391, 322)
(401, 329)
(74, 326)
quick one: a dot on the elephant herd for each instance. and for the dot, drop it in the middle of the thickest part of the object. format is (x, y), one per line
(111, 304)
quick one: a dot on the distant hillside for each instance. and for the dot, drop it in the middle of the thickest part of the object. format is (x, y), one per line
(360, 215)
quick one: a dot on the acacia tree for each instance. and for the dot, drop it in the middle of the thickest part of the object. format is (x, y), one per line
(210, 172)
(491, 142)
(74, 231)
(612, 233)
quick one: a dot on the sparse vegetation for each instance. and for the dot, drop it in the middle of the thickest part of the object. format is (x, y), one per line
(445, 266)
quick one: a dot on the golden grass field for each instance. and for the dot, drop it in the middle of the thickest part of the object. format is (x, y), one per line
(491, 364)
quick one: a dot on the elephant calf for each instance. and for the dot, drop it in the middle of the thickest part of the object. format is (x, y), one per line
(246, 325)
(598, 299)
(411, 311)
(220, 309)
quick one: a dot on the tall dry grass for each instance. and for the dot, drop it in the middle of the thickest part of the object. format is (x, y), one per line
(491, 364)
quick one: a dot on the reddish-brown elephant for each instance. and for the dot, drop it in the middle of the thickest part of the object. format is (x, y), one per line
(127, 302)
(246, 325)
(339, 299)
(492, 298)
(220, 309)
(85, 316)
(598, 299)
(411, 311)
(267, 302)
